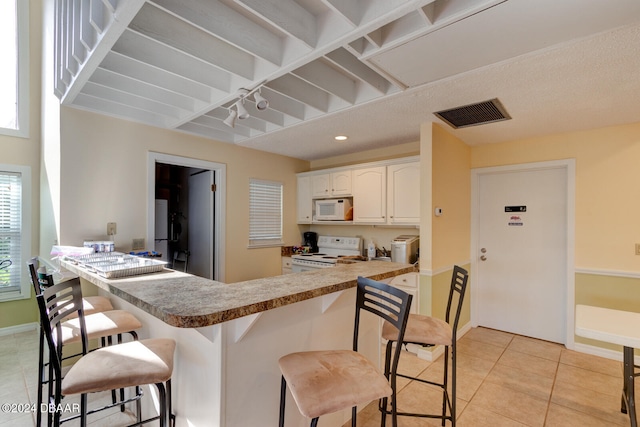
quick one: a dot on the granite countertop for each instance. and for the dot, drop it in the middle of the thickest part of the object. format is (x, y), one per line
(187, 301)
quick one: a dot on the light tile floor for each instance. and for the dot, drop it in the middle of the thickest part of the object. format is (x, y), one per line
(503, 380)
(507, 380)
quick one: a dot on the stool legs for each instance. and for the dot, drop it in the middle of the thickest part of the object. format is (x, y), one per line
(628, 391)
(448, 399)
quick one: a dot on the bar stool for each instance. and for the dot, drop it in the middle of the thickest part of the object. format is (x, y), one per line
(429, 331)
(103, 322)
(131, 364)
(324, 382)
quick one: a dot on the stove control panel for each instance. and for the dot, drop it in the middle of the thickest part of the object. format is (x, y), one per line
(336, 242)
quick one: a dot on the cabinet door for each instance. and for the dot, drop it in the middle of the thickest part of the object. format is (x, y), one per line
(403, 197)
(321, 185)
(304, 200)
(341, 183)
(370, 195)
(409, 283)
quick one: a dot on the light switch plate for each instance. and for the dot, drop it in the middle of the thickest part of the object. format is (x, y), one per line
(111, 228)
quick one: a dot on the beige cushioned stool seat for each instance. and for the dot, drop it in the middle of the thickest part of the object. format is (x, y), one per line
(96, 304)
(141, 362)
(421, 330)
(100, 325)
(323, 382)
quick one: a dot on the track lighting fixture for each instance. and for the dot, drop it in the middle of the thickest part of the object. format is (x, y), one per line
(231, 120)
(261, 102)
(240, 111)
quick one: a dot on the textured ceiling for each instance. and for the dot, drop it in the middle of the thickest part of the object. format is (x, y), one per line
(370, 69)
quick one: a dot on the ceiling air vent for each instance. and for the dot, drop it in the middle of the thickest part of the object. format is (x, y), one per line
(474, 114)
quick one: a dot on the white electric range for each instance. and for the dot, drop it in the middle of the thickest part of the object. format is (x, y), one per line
(330, 249)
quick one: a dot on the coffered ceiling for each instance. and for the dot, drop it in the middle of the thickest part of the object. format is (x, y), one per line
(370, 69)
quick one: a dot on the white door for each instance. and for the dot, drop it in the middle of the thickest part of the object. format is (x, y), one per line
(201, 224)
(521, 251)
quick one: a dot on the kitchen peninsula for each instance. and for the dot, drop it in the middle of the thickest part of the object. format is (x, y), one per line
(230, 336)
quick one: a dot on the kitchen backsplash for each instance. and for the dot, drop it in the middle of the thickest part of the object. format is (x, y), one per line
(382, 236)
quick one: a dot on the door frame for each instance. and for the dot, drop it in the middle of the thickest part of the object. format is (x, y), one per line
(220, 171)
(569, 166)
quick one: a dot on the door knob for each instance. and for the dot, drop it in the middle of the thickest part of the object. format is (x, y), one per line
(483, 258)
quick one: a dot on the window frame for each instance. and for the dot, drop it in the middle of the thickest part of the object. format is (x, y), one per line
(277, 238)
(22, 74)
(25, 233)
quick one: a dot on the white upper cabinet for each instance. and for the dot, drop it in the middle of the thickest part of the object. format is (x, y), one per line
(370, 195)
(385, 192)
(333, 184)
(403, 193)
(305, 201)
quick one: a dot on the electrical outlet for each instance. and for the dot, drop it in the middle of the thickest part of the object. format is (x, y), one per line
(637, 248)
(138, 244)
(111, 228)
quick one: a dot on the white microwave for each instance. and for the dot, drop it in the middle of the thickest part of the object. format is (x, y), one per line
(332, 209)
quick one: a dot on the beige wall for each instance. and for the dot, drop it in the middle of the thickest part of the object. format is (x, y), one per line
(104, 178)
(26, 152)
(607, 188)
(607, 225)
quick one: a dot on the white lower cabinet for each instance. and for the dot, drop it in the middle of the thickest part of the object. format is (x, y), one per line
(286, 265)
(410, 284)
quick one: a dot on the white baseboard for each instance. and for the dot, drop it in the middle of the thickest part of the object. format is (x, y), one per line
(598, 351)
(25, 327)
(432, 353)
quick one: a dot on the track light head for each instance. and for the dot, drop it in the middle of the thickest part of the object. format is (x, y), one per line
(261, 102)
(242, 112)
(231, 120)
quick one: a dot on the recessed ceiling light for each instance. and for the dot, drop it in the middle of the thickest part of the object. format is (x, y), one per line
(341, 138)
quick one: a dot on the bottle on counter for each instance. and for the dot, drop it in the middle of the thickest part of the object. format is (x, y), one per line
(371, 250)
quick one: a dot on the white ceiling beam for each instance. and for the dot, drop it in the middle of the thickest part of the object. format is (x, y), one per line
(172, 31)
(217, 123)
(149, 51)
(114, 109)
(136, 87)
(145, 73)
(269, 115)
(135, 101)
(87, 32)
(284, 104)
(348, 62)
(207, 132)
(321, 75)
(78, 49)
(348, 8)
(125, 12)
(302, 91)
(287, 15)
(227, 24)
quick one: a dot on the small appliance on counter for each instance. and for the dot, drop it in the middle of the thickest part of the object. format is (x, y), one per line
(311, 240)
(405, 248)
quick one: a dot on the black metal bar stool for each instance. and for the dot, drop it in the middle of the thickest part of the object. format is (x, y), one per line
(119, 366)
(100, 317)
(429, 331)
(323, 382)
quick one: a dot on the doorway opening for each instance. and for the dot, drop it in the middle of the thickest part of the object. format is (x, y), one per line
(185, 213)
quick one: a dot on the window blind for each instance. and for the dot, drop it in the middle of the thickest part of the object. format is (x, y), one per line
(265, 213)
(10, 231)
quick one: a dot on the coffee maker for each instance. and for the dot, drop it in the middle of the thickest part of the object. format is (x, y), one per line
(311, 240)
